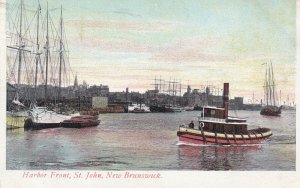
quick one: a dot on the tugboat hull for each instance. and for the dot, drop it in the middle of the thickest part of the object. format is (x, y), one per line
(216, 127)
(194, 136)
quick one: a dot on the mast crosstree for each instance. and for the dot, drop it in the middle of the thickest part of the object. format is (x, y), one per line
(269, 85)
(25, 37)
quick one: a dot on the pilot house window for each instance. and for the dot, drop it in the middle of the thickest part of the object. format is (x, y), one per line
(213, 112)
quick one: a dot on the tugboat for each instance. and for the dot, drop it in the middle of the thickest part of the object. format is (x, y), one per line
(216, 127)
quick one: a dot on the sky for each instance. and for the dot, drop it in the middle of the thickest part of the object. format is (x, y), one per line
(129, 43)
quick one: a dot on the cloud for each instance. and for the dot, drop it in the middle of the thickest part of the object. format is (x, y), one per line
(126, 12)
(117, 45)
(152, 26)
(193, 49)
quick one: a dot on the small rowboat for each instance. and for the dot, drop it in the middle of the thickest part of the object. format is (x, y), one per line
(80, 122)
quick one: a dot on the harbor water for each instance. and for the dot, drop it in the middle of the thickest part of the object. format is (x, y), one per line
(148, 141)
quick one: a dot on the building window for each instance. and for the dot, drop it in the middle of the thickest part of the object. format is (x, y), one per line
(213, 112)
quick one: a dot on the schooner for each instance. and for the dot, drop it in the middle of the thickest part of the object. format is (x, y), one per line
(36, 58)
(270, 95)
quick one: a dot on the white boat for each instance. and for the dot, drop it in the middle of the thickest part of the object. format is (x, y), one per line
(41, 118)
(132, 107)
(176, 109)
(43, 115)
(189, 108)
(138, 108)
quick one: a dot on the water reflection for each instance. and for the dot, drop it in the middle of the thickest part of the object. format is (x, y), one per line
(213, 157)
(147, 142)
(15, 132)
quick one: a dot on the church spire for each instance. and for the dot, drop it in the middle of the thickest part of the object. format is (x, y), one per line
(75, 83)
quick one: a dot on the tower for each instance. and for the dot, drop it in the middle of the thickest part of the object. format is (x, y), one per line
(76, 83)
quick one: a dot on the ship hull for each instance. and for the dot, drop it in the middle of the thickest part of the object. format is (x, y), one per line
(80, 124)
(271, 111)
(202, 137)
(31, 125)
(15, 120)
(161, 109)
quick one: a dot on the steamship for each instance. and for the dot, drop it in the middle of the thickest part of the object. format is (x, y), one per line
(216, 127)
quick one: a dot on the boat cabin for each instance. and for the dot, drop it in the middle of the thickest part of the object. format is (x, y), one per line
(213, 112)
(216, 119)
(223, 127)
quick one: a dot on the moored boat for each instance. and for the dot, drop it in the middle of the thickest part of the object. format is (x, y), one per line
(84, 117)
(42, 118)
(15, 120)
(188, 108)
(161, 108)
(271, 111)
(216, 127)
(138, 108)
(271, 108)
(176, 109)
(16, 117)
(81, 122)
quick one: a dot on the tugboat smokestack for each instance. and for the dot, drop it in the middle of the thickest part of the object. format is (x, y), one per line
(226, 99)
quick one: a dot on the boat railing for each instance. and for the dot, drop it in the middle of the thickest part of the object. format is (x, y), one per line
(211, 119)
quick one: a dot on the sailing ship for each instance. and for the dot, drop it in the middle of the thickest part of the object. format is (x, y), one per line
(270, 108)
(47, 118)
(216, 127)
(19, 50)
(29, 61)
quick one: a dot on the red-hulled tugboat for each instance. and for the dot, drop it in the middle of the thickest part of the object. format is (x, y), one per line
(216, 127)
(81, 121)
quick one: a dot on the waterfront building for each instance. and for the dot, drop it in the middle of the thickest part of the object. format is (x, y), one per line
(10, 92)
(101, 90)
(99, 102)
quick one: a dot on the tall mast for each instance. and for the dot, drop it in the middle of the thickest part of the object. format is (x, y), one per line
(266, 86)
(269, 85)
(60, 54)
(47, 52)
(20, 45)
(160, 84)
(37, 58)
(180, 88)
(273, 85)
(280, 98)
